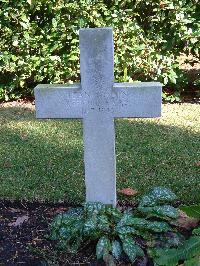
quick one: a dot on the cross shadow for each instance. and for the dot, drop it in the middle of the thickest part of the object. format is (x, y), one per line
(43, 159)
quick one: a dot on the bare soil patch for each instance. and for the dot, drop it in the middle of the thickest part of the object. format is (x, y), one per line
(24, 230)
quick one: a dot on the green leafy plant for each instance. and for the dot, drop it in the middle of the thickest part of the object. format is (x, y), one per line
(193, 210)
(114, 232)
(189, 252)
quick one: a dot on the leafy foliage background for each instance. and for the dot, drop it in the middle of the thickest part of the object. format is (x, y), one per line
(39, 40)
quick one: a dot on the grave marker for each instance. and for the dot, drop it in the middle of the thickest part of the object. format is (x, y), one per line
(98, 100)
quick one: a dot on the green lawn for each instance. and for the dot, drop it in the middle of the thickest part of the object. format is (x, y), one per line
(43, 160)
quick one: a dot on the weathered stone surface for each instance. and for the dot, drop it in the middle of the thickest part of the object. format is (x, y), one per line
(58, 101)
(97, 77)
(98, 100)
(138, 99)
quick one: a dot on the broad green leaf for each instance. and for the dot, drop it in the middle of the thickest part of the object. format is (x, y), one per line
(67, 220)
(156, 196)
(126, 219)
(146, 234)
(189, 249)
(90, 226)
(74, 212)
(103, 247)
(193, 261)
(53, 235)
(141, 223)
(64, 220)
(116, 249)
(193, 210)
(72, 229)
(139, 251)
(113, 213)
(92, 208)
(57, 221)
(168, 240)
(65, 233)
(160, 211)
(124, 230)
(129, 220)
(103, 223)
(77, 226)
(158, 227)
(131, 249)
(138, 222)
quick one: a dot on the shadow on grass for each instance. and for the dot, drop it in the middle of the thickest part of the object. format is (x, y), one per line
(43, 160)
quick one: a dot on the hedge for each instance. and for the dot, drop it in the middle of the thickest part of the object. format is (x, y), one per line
(39, 40)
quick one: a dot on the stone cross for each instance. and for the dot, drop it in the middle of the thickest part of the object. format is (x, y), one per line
(98, 100)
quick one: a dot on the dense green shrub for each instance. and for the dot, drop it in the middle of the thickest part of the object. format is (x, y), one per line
(39, 40)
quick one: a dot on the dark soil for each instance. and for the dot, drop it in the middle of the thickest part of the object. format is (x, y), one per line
(23, 236)
(24, 230)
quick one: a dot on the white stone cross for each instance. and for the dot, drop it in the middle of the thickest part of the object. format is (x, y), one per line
(98, 100)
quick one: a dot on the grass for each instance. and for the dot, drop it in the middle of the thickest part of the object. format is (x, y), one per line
(43, 160)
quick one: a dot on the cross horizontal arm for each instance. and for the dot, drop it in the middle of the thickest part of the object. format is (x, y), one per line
(58, 101)
(140, 99)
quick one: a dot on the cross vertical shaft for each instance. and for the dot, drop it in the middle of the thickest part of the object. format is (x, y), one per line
(97, 75)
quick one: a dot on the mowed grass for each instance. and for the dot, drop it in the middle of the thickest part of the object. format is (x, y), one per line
(43, 160)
